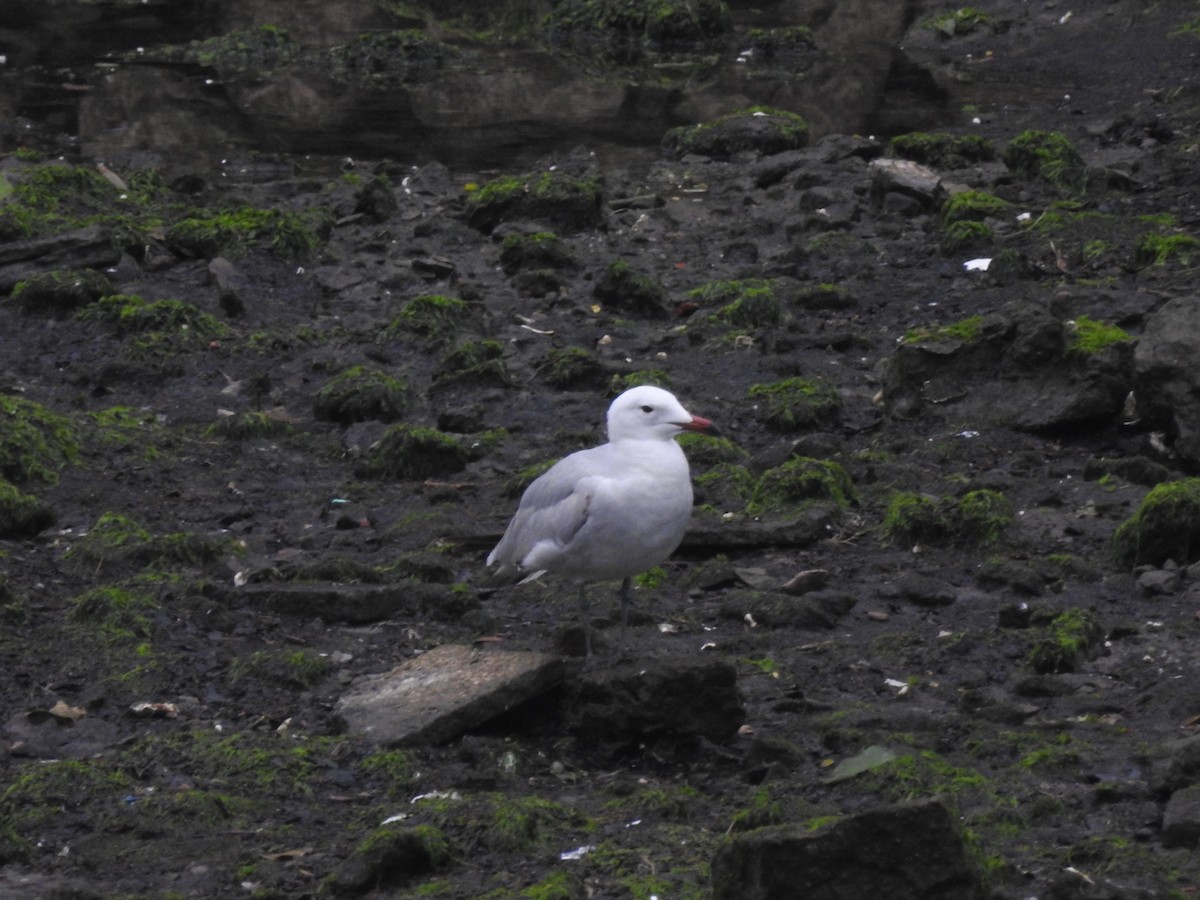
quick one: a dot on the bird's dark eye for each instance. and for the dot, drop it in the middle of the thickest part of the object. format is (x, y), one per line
(647, 409)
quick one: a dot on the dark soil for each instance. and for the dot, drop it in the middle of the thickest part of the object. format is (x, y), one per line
(168, 732)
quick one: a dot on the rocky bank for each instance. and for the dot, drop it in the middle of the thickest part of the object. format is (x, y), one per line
(265, 409)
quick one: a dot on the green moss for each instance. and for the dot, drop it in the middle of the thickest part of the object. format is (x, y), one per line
(412, 452)
(473, 362)
(1166, 525)
(973, 206)
(42, 791)
(562, 200)
(959, 237)
(706, 450)
(1088, 335)
(750, 303)
(249, 426)
(654, 377)
(763, 810)
(941, 149)
(571, 367)
(395, 768)
(432, 316)
(235, 232)
(360, 394)
(21, 514)
(34, 442)
(1073, 636)
(1048, 155)
(622, 287)
(795, 403)
(121, 614)
(524, 824)
(130, 314)
(116, 538)
(760, 128)
(1157, 249)
(60, 290)
(964, 330)
(555, 886)
(295, 668)
(963, 20)
(540, 250)
(914, 518)
(982, 515)
(799, 482)
(725, 486)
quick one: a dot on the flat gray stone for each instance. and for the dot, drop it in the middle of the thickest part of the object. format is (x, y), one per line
(445, 692)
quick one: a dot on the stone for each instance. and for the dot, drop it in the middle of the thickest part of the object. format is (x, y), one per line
(360, 603)
(635, 701)
(443, 693)
(903, 852)
(1166, 381)
(1181, 818)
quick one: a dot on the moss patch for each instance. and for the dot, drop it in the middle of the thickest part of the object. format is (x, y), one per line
(1166, 525)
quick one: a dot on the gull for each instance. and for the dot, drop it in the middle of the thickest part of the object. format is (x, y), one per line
(611, 511)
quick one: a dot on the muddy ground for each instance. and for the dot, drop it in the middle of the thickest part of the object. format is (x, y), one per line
(169, 725)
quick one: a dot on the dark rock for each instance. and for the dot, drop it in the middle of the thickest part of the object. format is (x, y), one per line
(775, 609)
(634, 702)
(906, 852)
(622, 287)
(1016, 367)
(761, 131)
(84, 248)
(231, 286)
(1181, 818)
(1176, 765)
(390, 856)
(925, 590)
(1166, 379)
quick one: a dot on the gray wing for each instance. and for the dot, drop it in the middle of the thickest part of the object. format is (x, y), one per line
(552, 510)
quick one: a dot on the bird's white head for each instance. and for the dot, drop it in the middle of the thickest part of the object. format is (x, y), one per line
(649, 413)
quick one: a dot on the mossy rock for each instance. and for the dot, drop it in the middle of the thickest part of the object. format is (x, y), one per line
(623, 288)
(60, 291)
(915, 518)
(362, 394)
(942, 150)
(1088, 335)
(130, 314)
(1048, 155)
(750, 303)
(22, 515)
(235, 232)
(479, 363)
(116, 539)
(34, 442)
(412, 452)
(1074, 637)
(620, 24)
(392, 855)
(1157, 249)
(725, 487)
(572, 368)
(1166, 525)
(977, 517)
(795, 403)
(252, 425)
(759, 129)
(973, 206)
(965, 236)
(435, 317)
(800, 482)
(540, 250)
(963, 20)
(557, 199)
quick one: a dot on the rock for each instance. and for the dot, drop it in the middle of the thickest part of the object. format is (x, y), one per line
(777, 609)
(84, 248)
(391, 855)
(904, 852)
(445, 692)
(759, 130)
(908, 178)
(554, 199)
(1176, 765)
(1166, 380)
(231, 284)
(925, 590)
(1181, 818)
(1022, 367)
(636, 701)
